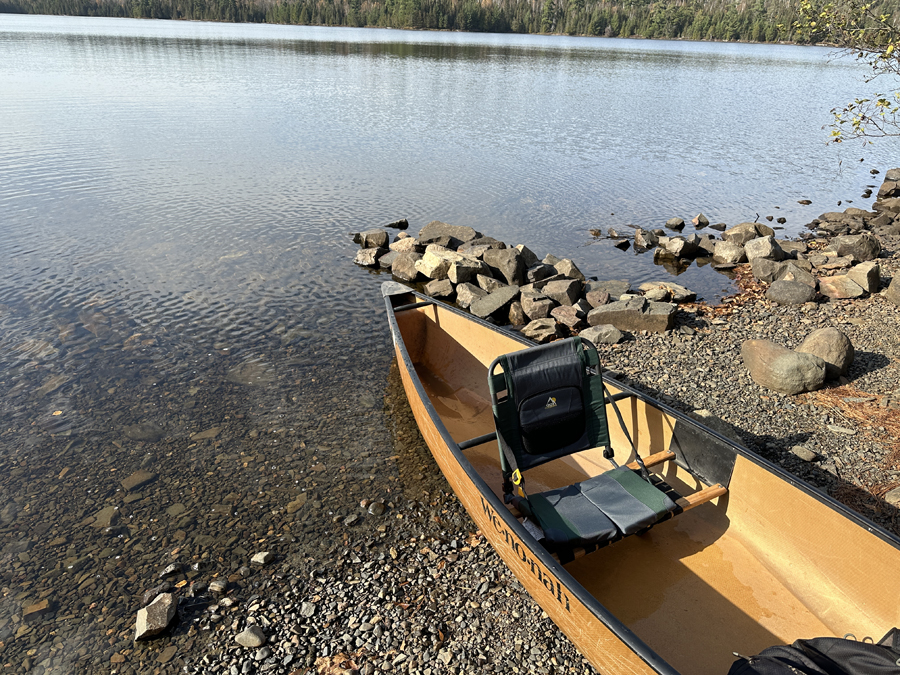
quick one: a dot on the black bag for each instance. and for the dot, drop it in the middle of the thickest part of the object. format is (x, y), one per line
(825, 656)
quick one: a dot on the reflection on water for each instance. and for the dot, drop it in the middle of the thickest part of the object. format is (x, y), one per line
(191, 370)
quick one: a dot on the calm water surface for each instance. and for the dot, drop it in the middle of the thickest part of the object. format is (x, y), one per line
(176, 292)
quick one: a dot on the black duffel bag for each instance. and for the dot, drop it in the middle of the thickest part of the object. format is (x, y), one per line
(825, 656)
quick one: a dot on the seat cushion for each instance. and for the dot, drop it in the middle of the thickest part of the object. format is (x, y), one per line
(616, 503)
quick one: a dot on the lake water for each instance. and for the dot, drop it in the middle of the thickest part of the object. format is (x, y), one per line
(176, 291)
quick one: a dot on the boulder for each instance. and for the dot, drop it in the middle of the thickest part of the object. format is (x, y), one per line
(496, 302)
(635, 314)
(435, 264)
(436, 229)
(891, 205)
(765, 269)
(833, 347)
(681, 247)
(372, 239)
(564, 291)
(467, 293)
(645, 239)
(406, 244)
(707, 245)
(387, 260)
(597, 298)
(568, 315)
(892, 175)
(840, 287)
(488, 283)
(517, 314)
(790, 271)
(476, 247)
(787, 292)
(251, 637)
(675, 224)
(540, 272)
(536, 305)
(729, 253)
(763, 247)
(781, 369)
(155, 617)
(529, 259)
(719, 227)
(401, 224)
(867, 275)
(605, 334)
(439, 288)
(741, 234)
(615, 288)
(506, 264)
(404, 266)
(465, 270)
(792, 248)
(542, 330)
(569, 269)
(368, 257)
(859, 247)
(550, 259)
(700, 221)
(678, 293)
(892, 293)
(657, 294)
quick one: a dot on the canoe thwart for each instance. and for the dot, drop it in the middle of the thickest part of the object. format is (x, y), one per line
(478, 440)
(701, 497)
(653, 460)
(413, 305)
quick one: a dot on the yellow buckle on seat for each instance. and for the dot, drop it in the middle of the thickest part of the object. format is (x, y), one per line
(517, 477)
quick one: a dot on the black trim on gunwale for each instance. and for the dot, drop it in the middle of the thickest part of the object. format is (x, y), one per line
(620, 630)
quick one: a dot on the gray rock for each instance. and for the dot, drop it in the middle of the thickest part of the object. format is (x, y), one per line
(506, 264)
(252, 637)
(436, 229)
(435, 264)
(488, 283)
(840, 287)
(170, 570)
(675, 224)
(529, 259)
(719, 227)
(564, 292)
(401, 224)
(467, 293)
(542, 330)
(657, 293)
(106, 517)
(147, 432)
(681, 247)
(385, 261)
(892, 175)
(567, 315)
(569, 269)
(635, 314)
(497, 301)
(476, 247)
(374, 238)
(859, 247)
(137, 479)
(645, 239)
(766, 270)
(550, 259)
(678, 293)
(404, 266)
(439, 288)
(605, 334)
(307, 609)
(368, 257)
(804, 453)
(763, 247)
(517, 315)
(540, 272)
(780, 369)
(153, 593)
(742, 233)
(615, 288)
(790, 271)
(786, 292)
(867, 275)
(537, 305)
(700, 221)
(892, 497)
(263, 558)
(596, 298)
(218, 586)
(466, 269)
(729, 253)
(792, 248)
(892, 293)
(833, 347)
(155, 617)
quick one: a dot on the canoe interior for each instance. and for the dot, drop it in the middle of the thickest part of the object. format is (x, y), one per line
(764, 565)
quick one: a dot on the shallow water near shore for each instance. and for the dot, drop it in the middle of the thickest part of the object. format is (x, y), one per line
(178, 309)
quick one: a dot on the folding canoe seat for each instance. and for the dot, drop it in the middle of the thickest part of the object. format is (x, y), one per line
(548, 403)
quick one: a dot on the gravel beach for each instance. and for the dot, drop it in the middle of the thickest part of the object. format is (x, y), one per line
(418, 591)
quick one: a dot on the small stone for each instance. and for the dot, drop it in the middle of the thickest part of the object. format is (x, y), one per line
(155, 617)
(32, 613)
(376, 508)
(106, 517)
(700, 221)
(137, 479)
(307, 609)
(675, 224)
(251, 637)
(218, 586)
(297, 503)
(351, 520)
(166, 654)
(263, 558)
(841, 430)
(804, 453)
(892, 294)
(893, 497)
(170, 570)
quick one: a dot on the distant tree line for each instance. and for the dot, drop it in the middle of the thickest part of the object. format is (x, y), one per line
(747, 20)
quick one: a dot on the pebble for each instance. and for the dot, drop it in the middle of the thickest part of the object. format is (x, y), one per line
(252, 636)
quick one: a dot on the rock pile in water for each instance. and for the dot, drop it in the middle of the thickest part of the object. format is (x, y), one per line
(548, 297)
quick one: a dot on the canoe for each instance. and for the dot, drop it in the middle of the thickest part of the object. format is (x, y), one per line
(769, 561)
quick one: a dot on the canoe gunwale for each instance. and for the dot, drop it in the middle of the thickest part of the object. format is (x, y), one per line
(603, 615)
